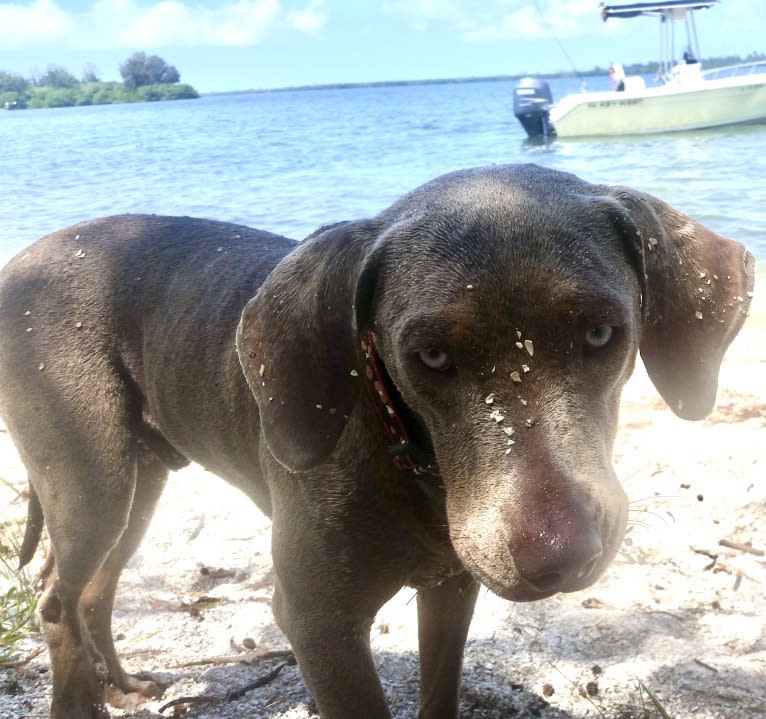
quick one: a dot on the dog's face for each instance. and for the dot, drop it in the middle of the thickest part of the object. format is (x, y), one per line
(507, 305)
(512, 342)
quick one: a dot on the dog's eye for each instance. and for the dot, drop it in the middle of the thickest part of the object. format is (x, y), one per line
(598, 337)
(435, 359)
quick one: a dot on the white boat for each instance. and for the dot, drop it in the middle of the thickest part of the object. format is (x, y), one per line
(689, 97)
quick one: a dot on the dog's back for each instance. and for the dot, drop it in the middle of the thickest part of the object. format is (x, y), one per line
(135, 316)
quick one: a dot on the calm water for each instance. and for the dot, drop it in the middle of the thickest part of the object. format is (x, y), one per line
(291, 161)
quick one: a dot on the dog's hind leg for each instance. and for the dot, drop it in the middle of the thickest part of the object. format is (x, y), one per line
(123, 690)
(77, 442)
(85, 520)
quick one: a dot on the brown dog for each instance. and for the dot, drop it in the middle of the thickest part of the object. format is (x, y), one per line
(429, 398)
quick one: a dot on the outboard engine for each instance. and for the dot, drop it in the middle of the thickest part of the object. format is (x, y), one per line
(532, 99)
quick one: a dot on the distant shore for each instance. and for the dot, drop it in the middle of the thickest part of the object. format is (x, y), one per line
(646, 68)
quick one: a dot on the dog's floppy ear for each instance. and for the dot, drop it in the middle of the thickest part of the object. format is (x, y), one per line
(297, 343)
(697, 287)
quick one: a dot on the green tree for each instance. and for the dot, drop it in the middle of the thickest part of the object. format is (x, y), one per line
(10, 82)
(90, 73)
(52, 97)
(14, 90)
(57, 76)
(141, 69)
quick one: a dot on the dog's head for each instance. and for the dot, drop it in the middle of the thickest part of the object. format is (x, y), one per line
(507, 305)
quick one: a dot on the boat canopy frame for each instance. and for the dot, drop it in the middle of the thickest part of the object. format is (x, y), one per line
(669, 12)
(666, 8)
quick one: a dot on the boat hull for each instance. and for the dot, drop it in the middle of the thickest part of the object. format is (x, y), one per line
(710, 103)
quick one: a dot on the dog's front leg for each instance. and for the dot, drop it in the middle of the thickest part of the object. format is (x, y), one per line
(329, 586)
(444, 616)
(332, 646)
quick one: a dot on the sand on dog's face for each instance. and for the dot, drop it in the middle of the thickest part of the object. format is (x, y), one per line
(676, 610)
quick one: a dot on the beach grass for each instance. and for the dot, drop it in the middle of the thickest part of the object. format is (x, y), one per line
(18, 597)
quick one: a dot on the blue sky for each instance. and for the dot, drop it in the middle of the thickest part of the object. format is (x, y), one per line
(241, 44)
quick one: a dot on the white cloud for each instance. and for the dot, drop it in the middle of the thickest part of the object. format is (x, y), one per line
(422, 14)
(164, 23)
(498, 19)
(35, 23)
(310, 19)
(171, 23)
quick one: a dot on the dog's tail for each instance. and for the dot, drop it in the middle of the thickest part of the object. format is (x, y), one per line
(33, 530)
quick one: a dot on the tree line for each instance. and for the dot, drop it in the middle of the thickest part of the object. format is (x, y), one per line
(145, 78)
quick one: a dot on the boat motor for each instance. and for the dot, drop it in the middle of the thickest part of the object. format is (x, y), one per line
(532, 99)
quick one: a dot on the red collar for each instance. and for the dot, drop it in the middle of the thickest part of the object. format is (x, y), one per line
(405, 453)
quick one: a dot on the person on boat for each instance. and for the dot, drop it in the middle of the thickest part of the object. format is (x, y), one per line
(616, 77)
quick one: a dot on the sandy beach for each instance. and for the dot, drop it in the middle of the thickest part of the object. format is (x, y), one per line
(681, 611)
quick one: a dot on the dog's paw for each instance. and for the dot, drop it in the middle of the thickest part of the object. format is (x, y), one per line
(65, 710)
(133, 693)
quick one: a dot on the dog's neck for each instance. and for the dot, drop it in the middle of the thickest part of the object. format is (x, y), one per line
(408, 444)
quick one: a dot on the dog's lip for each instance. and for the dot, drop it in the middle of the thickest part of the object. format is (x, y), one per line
(521, 590)
(518, 591)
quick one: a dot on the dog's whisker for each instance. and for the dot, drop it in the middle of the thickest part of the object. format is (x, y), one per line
(656, 497)
(636, 523)
(635, 473)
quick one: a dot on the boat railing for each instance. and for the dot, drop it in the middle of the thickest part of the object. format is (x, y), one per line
(744, 69)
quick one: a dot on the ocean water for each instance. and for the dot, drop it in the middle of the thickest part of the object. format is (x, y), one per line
(291, 161)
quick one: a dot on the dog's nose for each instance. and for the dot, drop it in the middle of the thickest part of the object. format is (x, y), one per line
(556, 561)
